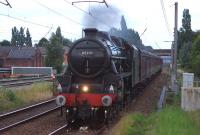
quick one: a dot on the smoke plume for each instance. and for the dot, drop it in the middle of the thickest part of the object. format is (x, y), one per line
(102, 17)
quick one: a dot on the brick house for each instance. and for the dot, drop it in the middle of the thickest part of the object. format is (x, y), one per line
(25, 56)
(21, 56)
(4, 51)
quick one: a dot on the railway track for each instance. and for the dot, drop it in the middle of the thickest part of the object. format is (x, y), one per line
(24, 115)
(69, 129)
(59, 129)
(22, 81)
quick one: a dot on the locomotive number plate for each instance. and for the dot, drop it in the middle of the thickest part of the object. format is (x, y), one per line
(86, 53)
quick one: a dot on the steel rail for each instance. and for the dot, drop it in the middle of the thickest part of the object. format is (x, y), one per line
(23, 79)
(2, 116)
(13, 84)
(28, 81)
(28, 119)
(59, 129)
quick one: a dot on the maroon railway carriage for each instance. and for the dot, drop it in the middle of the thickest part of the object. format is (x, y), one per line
(150, 64)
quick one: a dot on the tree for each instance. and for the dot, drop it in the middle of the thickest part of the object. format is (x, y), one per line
(55, 53)
(28, 40)
(123, 24)
(186, 21)
(184, 54)
(185, 38)
(21, 37)
(5, 43)
(59, 35)
(185, 33)
(43, 43)
(62, 40)
(129, 35)
(14, 39)
(195, 56)
(67, 42)
(55, 49)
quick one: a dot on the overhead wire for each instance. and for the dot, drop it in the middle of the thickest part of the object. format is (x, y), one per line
(89, 14)
(33, 23)
(76, 7)
(26, 21)
(54, 11)
(104, 1)
(58, 13)
(148, 38)
(143, 32)
(45, 26)
(157, 45)
(69, 32)
(6, 4)
(48, 32)
(165, 17)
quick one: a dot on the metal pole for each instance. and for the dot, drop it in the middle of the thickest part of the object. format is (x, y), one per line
(172, 54)
(175, 39)
(174, 69)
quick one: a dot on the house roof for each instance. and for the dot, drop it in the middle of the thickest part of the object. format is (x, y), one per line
(22, 53)
(43, 50)
(4, 50)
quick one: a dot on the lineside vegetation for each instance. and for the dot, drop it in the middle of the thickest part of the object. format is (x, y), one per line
(172, 120)
(11, 99)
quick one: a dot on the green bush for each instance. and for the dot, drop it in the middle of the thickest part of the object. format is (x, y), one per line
(11, 96)
(8, 99)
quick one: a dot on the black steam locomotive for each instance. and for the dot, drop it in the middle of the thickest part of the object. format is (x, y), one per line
(103, 72)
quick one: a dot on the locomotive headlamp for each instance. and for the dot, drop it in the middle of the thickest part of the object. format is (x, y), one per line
(85, 88)
(60, 100)
(106, 100)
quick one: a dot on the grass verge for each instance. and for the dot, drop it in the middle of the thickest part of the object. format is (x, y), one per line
(172, 120)
(11, 99)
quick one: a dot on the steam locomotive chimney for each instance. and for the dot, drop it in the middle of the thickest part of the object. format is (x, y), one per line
(90, 32)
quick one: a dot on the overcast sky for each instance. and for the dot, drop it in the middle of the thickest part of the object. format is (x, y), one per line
(42, 17)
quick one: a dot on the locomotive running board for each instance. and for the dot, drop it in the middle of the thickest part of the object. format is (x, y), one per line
(124, 75)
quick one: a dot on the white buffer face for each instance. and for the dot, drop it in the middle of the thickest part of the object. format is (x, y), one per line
(106, 100)
(60, 100)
